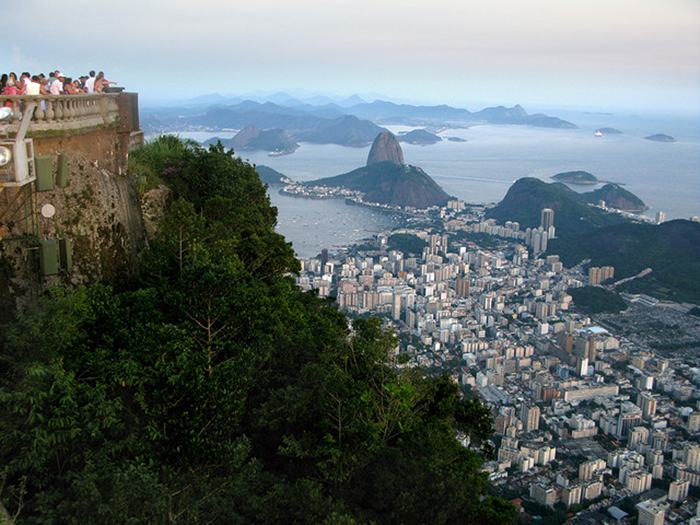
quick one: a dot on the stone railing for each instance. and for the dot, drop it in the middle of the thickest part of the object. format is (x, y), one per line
(61, 112)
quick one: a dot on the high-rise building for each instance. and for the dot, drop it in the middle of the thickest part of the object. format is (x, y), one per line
(462, 286)
(530, 417)
(678, 490)
(587, 469)
(647, 402)
(637, 437)
(692, 456)
(651, 512)
(598, 275)
(546, 218)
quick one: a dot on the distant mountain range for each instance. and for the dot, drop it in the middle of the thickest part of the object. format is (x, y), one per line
(387, 180)
(390, 113)
(350, 122)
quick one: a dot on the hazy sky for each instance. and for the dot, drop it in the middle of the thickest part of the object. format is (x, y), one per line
(640, 54)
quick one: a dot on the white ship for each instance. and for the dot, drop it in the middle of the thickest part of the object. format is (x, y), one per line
(598, 133)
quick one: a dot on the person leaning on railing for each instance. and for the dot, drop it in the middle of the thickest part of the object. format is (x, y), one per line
(56, 84)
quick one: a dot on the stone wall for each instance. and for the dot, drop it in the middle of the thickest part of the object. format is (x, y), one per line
(99, 210)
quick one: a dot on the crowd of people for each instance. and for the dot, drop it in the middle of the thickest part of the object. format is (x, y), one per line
(55, 84)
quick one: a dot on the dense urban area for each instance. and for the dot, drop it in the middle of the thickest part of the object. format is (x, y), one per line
(595, 414)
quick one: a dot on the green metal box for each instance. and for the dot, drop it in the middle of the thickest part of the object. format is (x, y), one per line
(44, 173)
(66, 251)
(48, 257)
(63, 171)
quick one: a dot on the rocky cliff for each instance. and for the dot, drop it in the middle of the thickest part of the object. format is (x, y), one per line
(385, 148)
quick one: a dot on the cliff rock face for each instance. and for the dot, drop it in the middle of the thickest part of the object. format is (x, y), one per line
(99, 211)
(385, 148)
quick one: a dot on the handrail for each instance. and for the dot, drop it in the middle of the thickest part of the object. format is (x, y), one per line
(62, 112)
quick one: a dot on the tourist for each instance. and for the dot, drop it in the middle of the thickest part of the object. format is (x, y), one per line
(101, 82)
(31, 85)
(90, 83)
(56, 86)
(3, 81)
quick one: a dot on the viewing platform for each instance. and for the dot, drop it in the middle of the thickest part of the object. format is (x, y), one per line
(69, 113)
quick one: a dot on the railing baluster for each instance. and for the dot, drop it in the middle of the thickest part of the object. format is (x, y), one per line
(56, 111)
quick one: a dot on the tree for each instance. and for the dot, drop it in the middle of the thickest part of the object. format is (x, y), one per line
(213, 390)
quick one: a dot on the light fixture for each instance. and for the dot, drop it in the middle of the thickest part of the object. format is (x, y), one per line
(48, 211)
(5, 155)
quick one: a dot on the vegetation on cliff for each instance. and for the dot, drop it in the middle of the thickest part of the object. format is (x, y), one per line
(212, 390)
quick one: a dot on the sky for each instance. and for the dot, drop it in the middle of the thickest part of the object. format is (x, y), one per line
(641, 55)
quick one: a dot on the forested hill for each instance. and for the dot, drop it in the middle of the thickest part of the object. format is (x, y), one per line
(670, 249)
(210, 389)
(572, 215)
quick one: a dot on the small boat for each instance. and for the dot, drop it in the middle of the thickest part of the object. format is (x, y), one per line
(598, 133)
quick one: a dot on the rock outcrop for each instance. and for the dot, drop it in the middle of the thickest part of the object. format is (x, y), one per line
(385, 148)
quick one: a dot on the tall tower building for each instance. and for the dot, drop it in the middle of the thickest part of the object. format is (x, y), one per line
(530, 417)
(647, 402)
(546, 218)
(462, 286)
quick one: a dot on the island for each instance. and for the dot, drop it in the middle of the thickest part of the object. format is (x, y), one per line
(456, 139)
(387, 180)
(607, 131)
(582, 178)
(276, 141)
(660, 137)
(420, 137)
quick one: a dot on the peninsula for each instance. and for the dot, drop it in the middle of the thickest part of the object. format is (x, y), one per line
(387, 180)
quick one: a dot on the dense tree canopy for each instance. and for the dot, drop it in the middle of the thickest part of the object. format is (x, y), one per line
(213, 390)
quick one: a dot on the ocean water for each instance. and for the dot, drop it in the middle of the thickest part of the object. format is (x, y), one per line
(665, 176)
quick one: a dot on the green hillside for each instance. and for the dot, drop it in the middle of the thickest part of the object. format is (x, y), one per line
(671, 250)
(572, 216)
(270, 176)
(596, 300)
(615, 196)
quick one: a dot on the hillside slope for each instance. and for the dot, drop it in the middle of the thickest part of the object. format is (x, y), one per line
(527, 196)
(671, 250)
(389, 183)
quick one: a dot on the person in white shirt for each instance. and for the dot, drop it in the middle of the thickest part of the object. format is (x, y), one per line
(90, 83)
(31, 85)
(56, 86)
